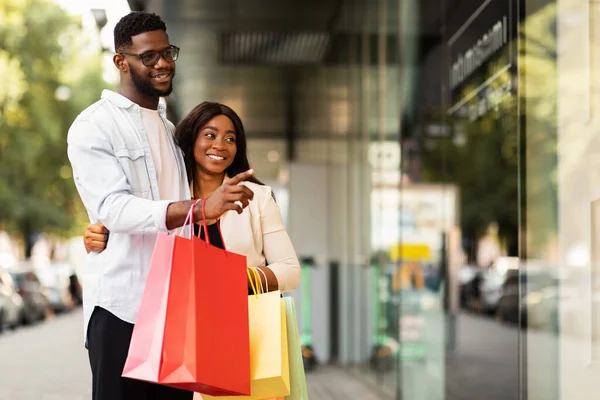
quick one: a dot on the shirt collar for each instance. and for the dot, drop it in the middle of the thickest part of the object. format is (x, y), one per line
(123, 102)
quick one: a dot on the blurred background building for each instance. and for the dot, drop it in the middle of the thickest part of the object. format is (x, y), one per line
(434, 161)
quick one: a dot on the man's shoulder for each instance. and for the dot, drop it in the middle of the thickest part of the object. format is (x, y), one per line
(97, 121)
(100, 108)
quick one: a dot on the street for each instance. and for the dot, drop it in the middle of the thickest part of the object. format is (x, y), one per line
(484, 364)
(48, 362)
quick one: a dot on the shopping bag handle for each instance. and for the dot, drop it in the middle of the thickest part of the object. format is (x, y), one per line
(205, 226)
(190, 218)
(255, 281)
(266, 280)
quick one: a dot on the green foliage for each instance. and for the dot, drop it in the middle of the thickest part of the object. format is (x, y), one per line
(538, 66)
(482, 160)
(40, 53)
(490, 157)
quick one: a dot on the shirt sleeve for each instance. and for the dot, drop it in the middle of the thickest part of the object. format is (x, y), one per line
(103, 185)
(278, 249)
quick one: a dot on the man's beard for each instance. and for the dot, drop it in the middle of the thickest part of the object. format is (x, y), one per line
(145, 87)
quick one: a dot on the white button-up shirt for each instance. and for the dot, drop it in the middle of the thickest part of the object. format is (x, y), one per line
(115, 175)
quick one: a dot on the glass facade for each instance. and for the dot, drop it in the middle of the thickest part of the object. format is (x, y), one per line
(462, 129)
(437, 168)
(482, 221)
(488, 288)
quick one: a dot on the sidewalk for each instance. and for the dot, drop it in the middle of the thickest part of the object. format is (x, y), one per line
(333, 383)
(47, 361)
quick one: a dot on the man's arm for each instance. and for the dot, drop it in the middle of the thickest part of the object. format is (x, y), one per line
(224, 199)
(108, 196)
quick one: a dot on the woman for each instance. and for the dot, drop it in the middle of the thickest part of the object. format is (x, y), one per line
(213, 142)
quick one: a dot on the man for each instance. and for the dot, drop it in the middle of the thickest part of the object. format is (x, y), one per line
(130, 176)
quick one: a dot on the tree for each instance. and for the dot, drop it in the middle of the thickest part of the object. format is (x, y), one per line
(539, 69)
(42, 47)
(489, 157)
(481, 158)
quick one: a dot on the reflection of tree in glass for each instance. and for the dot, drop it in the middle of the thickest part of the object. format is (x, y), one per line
(539, 76)
(40, 56)
(482, 157)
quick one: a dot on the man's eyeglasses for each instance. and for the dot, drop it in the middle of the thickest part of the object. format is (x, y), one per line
(150, 58)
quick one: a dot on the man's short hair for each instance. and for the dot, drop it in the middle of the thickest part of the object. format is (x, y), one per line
(135, 23)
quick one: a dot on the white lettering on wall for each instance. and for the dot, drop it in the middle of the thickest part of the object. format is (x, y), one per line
(468, 62)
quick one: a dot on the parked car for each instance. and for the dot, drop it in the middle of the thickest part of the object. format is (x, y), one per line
(11, 303)
(466, 277)
(75, 289)
(536, 300)
(482, 288)
(56, 281)
(493, 287)
(509, 303)
(36, 303)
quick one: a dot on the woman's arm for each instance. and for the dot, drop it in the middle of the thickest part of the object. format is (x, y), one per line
(283, 267)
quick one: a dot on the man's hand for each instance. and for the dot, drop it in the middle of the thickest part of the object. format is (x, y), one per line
(226, 198)
(95, 238)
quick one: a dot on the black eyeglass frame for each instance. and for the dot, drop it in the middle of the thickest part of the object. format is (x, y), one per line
(156, 55)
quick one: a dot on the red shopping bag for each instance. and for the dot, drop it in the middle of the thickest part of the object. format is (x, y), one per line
(192, 327)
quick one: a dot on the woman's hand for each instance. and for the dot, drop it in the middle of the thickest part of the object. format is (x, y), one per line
(269, 286)
(95, 238)
(229, 196)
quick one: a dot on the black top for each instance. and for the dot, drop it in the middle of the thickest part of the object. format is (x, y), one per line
(213, 234)
(215, 239)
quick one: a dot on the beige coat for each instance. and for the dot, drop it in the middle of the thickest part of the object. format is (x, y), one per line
(259, 234)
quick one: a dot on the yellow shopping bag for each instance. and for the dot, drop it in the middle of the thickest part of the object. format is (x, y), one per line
(269, 363)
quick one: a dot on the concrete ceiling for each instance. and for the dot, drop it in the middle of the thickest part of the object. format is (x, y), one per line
(241, 51)
(275, 15)
(281, 64)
